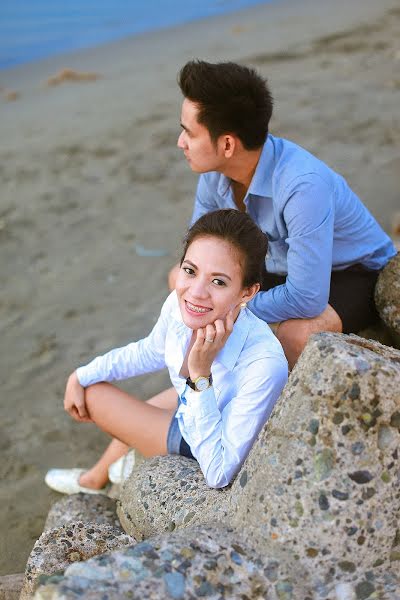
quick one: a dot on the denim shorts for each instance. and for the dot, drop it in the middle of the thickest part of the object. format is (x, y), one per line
(176, 444)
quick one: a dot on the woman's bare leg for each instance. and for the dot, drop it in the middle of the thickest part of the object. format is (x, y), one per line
(97, 476)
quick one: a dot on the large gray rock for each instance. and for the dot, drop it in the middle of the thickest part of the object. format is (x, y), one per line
(59, 547)
(387, 296)
(167, 493)
(210, 562)
(88, 508)
(323, 476)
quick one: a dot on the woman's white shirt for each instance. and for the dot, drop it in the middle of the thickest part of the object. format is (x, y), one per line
(221, 423)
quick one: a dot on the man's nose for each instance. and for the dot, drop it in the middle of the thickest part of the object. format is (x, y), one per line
(181, 140)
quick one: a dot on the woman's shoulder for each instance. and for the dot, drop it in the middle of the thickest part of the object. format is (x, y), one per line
(261, 340)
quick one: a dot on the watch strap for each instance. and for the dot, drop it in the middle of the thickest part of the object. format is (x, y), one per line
(192, 384)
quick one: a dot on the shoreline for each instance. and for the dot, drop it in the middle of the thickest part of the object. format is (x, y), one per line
(90, 172)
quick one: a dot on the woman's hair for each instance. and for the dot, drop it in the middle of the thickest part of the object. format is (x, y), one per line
(238, 229)
(231, 98)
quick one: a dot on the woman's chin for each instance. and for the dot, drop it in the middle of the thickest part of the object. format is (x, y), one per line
(195, 322)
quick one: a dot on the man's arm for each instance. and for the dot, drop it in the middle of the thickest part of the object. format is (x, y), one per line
(309, 217)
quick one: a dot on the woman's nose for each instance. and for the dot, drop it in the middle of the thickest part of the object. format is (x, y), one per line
(199, 288)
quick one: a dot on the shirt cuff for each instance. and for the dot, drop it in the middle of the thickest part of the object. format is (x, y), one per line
(83, 376)
(203, 404)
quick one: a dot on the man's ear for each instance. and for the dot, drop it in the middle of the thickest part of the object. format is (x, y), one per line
(228, 144)
(250, 292)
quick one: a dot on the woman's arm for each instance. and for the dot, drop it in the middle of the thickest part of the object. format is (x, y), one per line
(222, 441)
(145, 356)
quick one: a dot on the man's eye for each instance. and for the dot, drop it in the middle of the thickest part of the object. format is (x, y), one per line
(188, 270)
(219, 282)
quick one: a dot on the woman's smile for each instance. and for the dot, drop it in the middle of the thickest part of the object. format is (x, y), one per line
(196, 309)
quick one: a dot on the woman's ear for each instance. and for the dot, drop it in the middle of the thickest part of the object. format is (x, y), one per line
(250, 292)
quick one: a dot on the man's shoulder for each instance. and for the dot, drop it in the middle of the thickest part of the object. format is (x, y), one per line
(294, 164)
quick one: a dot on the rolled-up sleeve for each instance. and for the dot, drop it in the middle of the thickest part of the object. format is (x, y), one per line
(309, 217)
(220, 441)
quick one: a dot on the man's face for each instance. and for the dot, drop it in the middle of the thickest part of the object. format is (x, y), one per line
(199, 150)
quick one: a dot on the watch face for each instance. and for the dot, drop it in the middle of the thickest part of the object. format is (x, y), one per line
(202, 383)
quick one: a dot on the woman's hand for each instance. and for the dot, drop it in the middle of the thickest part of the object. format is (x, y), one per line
(74, 400)
(209, 341)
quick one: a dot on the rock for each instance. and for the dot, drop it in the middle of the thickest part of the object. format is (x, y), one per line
(59, 547)
(323, 476)
(10, 586)
(376, 583)
(212, 562)
(387, 296)
(168, 493)
(88, 508)
(378, 332)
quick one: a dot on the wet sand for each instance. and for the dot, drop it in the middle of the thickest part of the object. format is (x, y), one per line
(96, 196)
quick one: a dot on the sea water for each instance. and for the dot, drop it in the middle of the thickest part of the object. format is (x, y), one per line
(34, 29)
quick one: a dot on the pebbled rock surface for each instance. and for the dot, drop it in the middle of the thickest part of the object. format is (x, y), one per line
(387, 296)
(168, 493)
(210, 562)
(323, 477)
(59, 547)
(88, 508)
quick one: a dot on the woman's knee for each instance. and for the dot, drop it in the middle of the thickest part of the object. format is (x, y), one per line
(93, 395)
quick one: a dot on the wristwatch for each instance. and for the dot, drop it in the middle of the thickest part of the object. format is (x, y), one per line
(200, 383)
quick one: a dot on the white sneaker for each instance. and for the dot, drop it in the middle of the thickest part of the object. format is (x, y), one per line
(120, 470)
(66, 481)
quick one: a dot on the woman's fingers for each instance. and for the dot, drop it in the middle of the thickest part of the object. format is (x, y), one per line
(210, 333)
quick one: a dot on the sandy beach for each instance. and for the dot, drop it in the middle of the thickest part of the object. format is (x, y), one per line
(95, 198)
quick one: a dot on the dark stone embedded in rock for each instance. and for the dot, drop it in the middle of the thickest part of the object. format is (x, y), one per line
(313, 426)
(340, 495)
(323, 502)
(243, 479)
(364, 590)
(347, 566)
(361, 477)
(357, 448)
(395, 419)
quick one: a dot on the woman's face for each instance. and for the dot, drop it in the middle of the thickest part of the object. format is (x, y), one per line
(209, 282)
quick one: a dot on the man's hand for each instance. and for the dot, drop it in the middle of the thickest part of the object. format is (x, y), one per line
(74, 400)
(208, 343)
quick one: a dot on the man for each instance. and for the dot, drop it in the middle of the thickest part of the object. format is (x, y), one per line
(325, 248)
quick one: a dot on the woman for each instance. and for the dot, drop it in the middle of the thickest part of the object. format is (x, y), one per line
(226, 367)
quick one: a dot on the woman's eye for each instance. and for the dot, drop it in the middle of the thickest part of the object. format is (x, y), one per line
(188, 270)
(219, 282)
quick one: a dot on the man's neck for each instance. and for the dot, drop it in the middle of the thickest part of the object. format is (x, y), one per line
(241, 170)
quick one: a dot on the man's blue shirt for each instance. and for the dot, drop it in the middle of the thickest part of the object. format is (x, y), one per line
(314, 222)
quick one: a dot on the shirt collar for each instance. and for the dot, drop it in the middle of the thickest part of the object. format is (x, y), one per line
(261, 184)
(229, 354)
